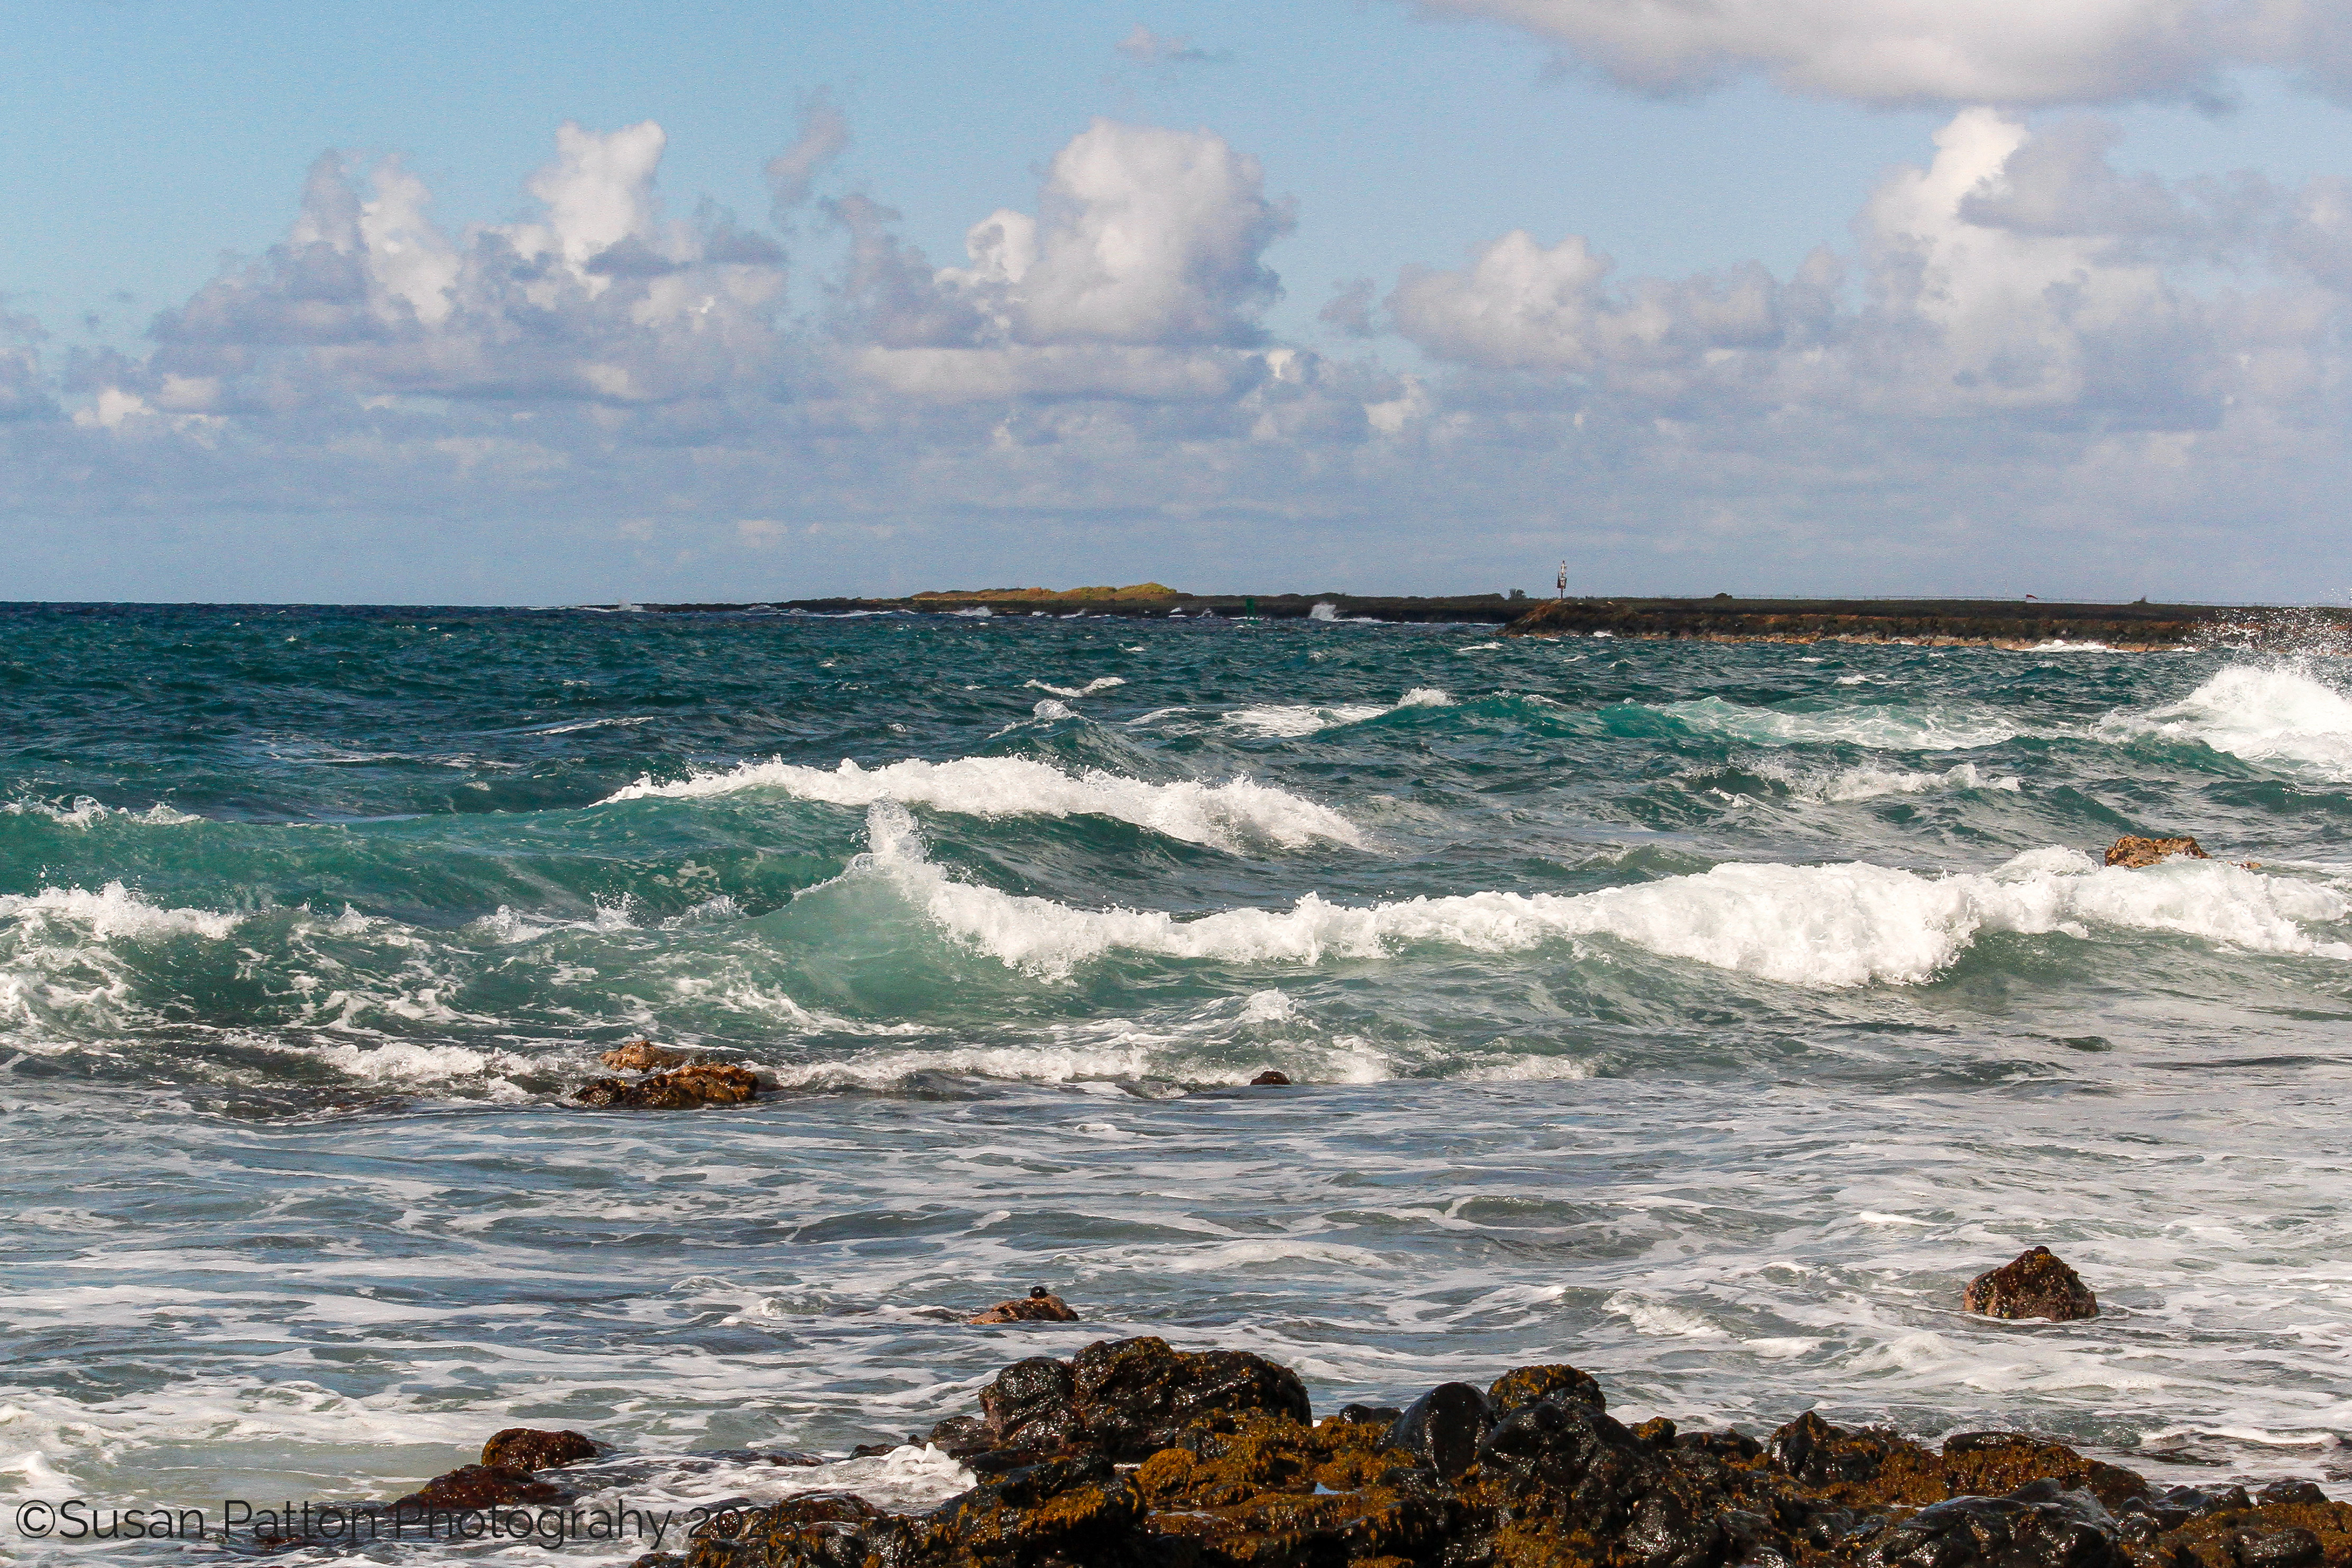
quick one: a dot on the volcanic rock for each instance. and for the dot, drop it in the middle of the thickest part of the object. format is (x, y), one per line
(481, 1486)
(2038, 1526)
(1270, 1079)
(2132, 852)
(688, 1087)
(1125, 1398)
(818, 1528)
(526, 1448)
(1231, 1475)
(2033, 1284)
(644, 1056)
(1040, 1305)
(1516, 1389)
(1443, 1428)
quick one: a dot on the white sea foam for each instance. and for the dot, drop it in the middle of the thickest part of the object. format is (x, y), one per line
(2279, 716)
(1893, 727)
(115, 911)
(1870, 784)
(407, 1062)
(85, 811)
(1099, 683)
(1224, 814)
(1820, 926)
(1291, 720)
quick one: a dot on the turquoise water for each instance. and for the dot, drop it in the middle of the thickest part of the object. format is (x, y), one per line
(1701, 1015)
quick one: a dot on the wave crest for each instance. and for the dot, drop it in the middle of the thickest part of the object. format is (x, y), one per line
(1222, 815)
(2280, 716)
(1824, 927)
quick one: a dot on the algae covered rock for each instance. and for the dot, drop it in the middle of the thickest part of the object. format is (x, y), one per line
(1040, 1305)
(477, 1487)
(2134, 852)
(708, 1083)
(526, 1448)
(2036, 1283)
(821, 1530)
(1135, 1455)
(644, 1056)
(1126, 1399)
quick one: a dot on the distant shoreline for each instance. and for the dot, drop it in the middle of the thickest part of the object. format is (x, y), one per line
(2021, 624)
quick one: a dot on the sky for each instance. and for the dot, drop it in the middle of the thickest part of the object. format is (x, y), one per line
(575, 301)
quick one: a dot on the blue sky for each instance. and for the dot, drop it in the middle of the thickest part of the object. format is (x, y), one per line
(2087, 342)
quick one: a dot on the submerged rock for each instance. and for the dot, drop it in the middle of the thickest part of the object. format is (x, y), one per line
(2034, 1284)
(644, 1056)
(2132, 852)
(527, 1448)
(688, 1087)
(1271, 1078)
(1040, 1305)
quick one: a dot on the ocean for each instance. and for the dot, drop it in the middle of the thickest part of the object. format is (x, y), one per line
(1702, 1014)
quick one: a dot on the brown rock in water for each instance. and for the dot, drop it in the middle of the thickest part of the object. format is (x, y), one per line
(707, 1084)
(2033, 1284)
(527, 1448)
(481, 1486)
(644, 1056)
(1040, 1305)
(2132, 852)
(1270, 1079)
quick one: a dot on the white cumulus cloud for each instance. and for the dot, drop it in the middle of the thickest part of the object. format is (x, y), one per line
(2015, 52)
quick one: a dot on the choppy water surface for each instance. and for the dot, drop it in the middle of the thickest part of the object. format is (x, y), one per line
(1700, 1014)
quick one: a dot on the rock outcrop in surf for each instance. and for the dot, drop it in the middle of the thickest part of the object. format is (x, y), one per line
(531, 1449)
(2036, 1283)
(1040, 1305)
(2132, 852)
(683, 1089)
(1133, 1453)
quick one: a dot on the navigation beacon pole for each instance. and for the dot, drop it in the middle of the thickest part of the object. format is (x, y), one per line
(1563, 581)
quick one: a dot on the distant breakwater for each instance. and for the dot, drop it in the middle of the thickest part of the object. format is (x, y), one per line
(1932, 623)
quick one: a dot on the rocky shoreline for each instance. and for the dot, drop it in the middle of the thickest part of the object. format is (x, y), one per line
(1926, 623)
(1134, 1454)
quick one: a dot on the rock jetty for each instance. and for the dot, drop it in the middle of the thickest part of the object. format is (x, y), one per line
(1999, 623)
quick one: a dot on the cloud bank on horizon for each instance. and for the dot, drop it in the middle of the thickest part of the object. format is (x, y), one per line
(2020, 358)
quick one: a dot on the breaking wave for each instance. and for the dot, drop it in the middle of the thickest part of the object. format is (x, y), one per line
(2281, 716)
(113, 912)
(1289, 720)
(1222, 815)
(1825, 927)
